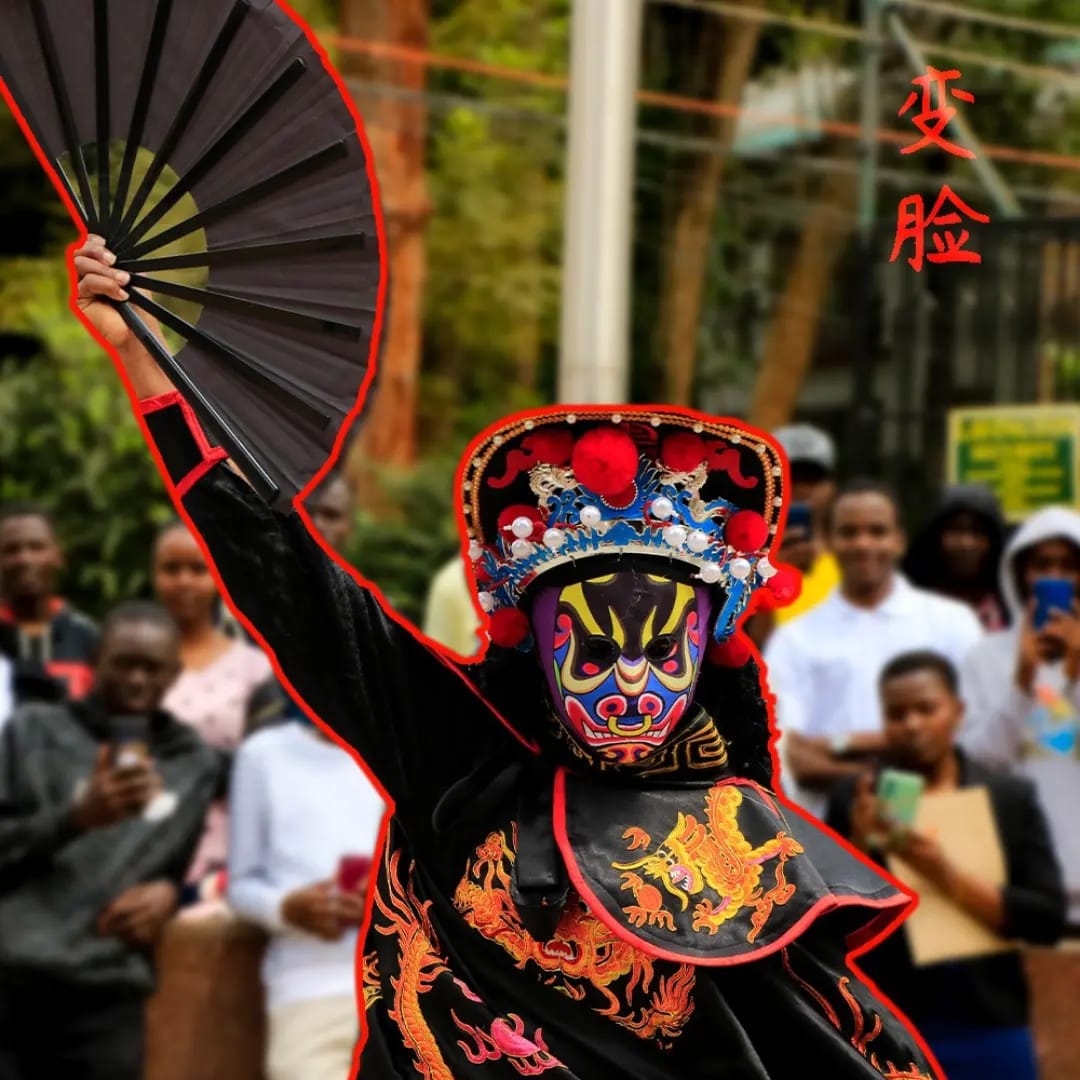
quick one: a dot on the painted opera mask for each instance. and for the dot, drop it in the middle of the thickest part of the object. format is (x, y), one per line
(621, 653)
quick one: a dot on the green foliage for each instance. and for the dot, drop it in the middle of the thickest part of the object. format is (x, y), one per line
(68, 439)
(493, 240)
(401, 551)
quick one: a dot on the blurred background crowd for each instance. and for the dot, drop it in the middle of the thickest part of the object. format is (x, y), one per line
(935, 464)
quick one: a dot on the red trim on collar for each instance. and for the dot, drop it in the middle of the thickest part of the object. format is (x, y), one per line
(887, 907)
(211, 455)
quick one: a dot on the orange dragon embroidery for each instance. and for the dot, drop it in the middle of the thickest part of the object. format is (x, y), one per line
(419, 966)
(715, 855)
(583, 953)
(369, 979)
(861, 1035)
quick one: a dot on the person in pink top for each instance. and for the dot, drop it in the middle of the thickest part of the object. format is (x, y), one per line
(225, 690)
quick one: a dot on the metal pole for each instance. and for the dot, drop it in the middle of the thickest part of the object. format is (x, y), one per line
(864, 418)
(869, 114)
(594, 345)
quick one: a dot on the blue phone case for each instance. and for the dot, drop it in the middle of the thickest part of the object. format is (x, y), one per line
(1052, 594)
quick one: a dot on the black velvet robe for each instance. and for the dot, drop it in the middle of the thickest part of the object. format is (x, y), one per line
(737, 970)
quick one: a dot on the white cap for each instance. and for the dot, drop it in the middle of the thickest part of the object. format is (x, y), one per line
(804, 443)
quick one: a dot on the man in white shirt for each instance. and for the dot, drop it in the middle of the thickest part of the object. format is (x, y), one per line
(824, 665)
(299, 805)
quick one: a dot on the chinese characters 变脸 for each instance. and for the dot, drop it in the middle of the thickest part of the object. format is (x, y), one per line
(944, 221)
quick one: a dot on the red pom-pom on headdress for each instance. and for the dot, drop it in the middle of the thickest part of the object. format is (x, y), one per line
(735, 652)
(683, 452)
(511, 513)
(746, 530)
(605, 461)
(549, 447)
(508, 627)
(539, 448)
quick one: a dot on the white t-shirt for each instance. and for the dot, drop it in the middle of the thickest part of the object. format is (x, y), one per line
(298, 803)
(824, 666)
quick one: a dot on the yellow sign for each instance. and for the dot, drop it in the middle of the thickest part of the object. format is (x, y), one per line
(1026, 454)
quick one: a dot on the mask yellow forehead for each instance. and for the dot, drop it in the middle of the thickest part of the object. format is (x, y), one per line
(573, 596)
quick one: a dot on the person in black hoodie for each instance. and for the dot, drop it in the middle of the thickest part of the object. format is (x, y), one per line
(94, 845)
(958, 552)
(974, 1013)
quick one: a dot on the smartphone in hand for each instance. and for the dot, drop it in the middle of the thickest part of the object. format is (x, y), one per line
(352, 873)
(1052, 594)
(798, 521)
(899, 793)
(129, 741)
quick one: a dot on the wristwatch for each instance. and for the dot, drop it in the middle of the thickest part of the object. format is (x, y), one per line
(840, 745)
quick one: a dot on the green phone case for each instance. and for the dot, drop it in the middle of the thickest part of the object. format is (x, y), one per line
(899, 793)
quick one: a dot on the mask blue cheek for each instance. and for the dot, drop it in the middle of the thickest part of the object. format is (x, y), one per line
(654, 687)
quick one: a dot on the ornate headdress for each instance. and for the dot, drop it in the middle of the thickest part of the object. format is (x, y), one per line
(558, 487)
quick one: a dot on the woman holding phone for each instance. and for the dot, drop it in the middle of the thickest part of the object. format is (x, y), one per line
(1022, 685)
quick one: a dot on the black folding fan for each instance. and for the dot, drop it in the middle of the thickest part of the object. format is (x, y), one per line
(206, 141)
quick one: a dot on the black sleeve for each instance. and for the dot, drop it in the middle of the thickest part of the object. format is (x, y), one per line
(410, 716)
(31, 829)
(1035, 902)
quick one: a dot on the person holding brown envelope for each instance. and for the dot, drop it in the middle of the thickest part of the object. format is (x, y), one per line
(978, 851)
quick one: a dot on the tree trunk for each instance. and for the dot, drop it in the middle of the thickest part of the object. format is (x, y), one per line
(396, 130)
(792, 335)
(734, 41)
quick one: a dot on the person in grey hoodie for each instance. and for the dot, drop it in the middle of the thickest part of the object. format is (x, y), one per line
(1022, 685)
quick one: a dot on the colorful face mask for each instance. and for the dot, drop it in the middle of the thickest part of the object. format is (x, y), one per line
(621, 654)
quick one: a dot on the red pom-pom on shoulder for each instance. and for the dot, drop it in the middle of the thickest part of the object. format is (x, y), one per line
(605, 461)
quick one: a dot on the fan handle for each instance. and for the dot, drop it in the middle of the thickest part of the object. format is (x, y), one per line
(249, 465)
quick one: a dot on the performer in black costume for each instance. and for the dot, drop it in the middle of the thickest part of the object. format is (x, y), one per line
(586, 874)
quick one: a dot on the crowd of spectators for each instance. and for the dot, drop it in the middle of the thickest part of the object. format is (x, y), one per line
(154, 769)
(936, 661)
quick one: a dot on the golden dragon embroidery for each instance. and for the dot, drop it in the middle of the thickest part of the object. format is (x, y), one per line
(713, 855)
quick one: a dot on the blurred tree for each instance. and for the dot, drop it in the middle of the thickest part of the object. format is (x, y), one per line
(494, 240)
(707, 58)
(400, 550)
(792, 335)
(395, 120)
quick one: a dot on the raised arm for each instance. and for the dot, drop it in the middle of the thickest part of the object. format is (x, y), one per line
(360, 671)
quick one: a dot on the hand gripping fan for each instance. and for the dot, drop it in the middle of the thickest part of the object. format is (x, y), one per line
(210, 145)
